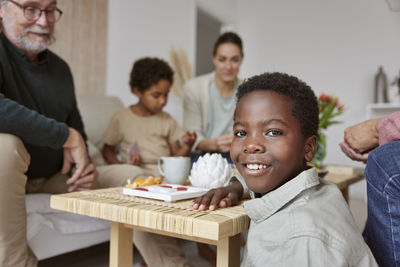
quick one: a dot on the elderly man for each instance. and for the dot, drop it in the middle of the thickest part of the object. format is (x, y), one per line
(41, 131)
(376, 142)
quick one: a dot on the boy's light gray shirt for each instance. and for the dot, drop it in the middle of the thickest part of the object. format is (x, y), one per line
(305, 222)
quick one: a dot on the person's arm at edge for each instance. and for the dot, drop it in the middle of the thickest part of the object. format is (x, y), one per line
(389, 128)
(32, 127)
(363, 137)
(380, 130)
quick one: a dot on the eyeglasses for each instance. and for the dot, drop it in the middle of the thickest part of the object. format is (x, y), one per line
(33, 13)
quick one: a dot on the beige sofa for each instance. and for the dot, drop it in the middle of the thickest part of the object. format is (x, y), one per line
(51, 232)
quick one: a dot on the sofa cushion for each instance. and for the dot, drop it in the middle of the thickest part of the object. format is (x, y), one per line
(96, 112)
(39, 214)
(95, 154)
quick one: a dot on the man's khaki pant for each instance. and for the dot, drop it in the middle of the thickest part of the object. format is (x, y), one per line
(14, 251)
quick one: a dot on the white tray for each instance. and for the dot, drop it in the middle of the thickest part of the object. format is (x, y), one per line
(166, 192)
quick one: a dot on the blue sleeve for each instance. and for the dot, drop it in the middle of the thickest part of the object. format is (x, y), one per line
(32, 127)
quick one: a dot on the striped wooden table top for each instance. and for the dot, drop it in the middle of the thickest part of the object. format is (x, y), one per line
(177, 217)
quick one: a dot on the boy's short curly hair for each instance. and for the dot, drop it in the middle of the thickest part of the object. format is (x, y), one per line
(305, 104)
(149, 71)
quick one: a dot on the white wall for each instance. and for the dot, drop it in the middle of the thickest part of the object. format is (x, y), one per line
(335, 46)
(139, 28)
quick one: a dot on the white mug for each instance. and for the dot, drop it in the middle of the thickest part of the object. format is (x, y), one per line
(175, 169)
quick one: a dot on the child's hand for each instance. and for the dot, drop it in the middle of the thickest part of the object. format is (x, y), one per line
(134, 159)
(221, 197)
(134, 154)
(189, 138)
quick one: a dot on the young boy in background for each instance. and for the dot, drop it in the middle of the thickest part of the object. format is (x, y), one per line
(297, 219)
(142, 133)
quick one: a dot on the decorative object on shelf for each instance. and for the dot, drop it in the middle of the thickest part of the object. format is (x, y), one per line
(394, 5)
(381, 85)
(329, 108)
(394, 90)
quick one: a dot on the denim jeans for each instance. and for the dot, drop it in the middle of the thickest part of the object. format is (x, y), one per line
(382, 230)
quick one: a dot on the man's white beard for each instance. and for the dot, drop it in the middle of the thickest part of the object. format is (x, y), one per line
(27, 45)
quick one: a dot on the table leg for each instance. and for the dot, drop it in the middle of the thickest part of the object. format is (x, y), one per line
(228, 252)
(121, 246)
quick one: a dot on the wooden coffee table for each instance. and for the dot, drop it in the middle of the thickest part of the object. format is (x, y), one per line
(220, 228)
(343, 177)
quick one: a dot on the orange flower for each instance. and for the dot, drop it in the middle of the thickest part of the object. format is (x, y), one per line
(328, 98)
(329, 107)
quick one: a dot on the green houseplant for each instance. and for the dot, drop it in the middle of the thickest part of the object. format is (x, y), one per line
(329, 108)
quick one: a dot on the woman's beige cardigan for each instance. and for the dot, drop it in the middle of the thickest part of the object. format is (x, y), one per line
(195, 105)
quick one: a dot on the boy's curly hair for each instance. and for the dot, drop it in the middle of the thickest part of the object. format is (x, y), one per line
(149, 71)
(304, 101)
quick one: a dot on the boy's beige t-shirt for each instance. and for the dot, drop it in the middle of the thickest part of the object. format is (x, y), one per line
(153, 135)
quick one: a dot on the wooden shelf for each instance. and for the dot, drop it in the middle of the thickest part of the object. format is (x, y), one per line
(377, 110)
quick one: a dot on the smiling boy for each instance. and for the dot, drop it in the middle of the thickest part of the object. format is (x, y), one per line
(297, 219)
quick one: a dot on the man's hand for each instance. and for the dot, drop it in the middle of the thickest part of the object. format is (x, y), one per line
(86, 181)
(224, 142)
(221, 197)
(363, 136)
(75, 153)
(353, 154)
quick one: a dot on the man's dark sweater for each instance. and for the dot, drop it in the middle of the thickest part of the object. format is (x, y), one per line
(37, 104)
